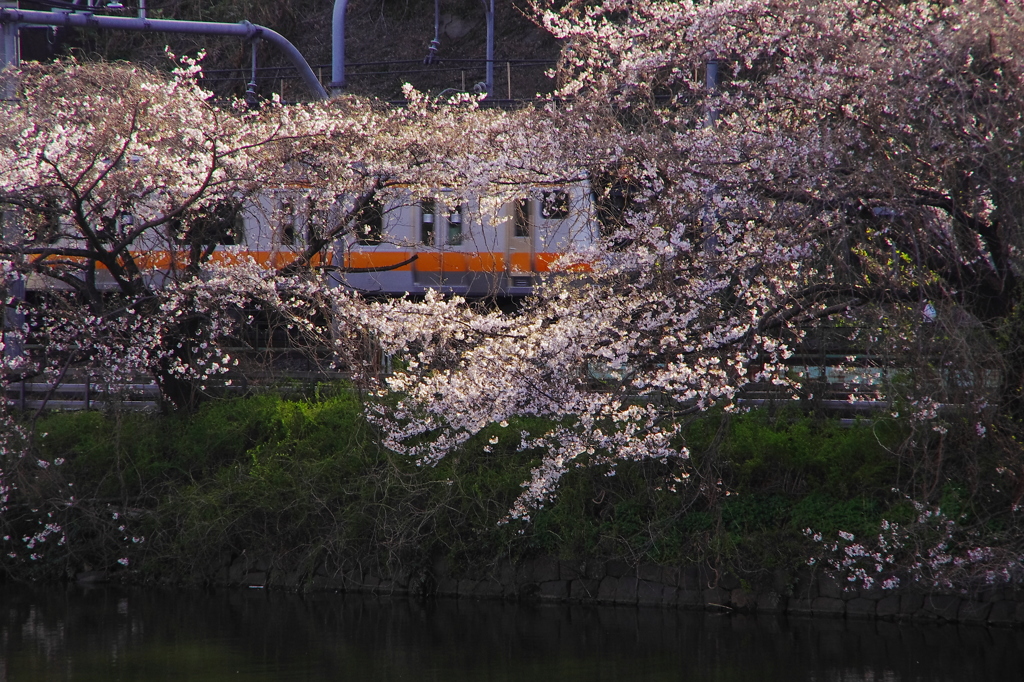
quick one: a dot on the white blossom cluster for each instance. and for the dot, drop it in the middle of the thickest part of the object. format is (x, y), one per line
(933, 550)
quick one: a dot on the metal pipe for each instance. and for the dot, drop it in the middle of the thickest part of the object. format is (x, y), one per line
(242, 29)
(338, 47)
(435, 44)
(251, 98)
(255, 44)
(489, 80)
(8, 55)
(142, 9)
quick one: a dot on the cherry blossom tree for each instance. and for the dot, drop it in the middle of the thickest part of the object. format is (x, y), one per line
(102, 166)
(120, 188)
(853, 166)
(856, 166)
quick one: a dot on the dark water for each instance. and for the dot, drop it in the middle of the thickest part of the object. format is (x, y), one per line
(114, 634)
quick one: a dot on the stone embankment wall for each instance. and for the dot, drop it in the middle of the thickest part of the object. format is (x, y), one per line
(616, 582)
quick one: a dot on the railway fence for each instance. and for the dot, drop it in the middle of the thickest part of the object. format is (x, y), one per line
(846, 391)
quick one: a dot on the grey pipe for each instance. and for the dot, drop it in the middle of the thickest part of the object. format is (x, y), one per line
(242, 29)
(338, 46)
(251, 98)
(8, 57)
(489, 80)
(435, 44)
(254, 44)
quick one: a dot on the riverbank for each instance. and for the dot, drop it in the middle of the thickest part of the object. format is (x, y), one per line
(545, 579)
(797, 514)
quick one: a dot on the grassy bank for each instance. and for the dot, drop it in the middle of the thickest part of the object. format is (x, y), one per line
(306, 481)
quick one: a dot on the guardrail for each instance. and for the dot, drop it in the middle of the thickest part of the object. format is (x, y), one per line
(82, 395)
(841, 390)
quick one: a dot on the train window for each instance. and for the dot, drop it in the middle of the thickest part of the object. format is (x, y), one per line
(226, 224)
(10, 224)
(176, 230)
(286, 226)
(222, 224)
(314, 226)
(370, 224)
(555, 205)
(455, 226)
(427, 209)
(522, 224)
(45, 223)
(235, 235)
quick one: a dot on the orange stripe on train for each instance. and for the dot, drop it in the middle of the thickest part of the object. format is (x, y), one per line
(433, 261)
(167, 260)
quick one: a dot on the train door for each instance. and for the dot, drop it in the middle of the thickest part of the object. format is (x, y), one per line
(520, 257)
(283, 238)
(427, 268)
(555, 215)
(455, 266)
(566, 220)
(425, 238)
(445, 249)
(378, 250)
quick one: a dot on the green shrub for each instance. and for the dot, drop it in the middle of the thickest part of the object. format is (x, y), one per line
(307, 478)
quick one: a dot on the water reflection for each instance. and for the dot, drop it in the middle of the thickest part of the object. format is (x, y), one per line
(116, 634)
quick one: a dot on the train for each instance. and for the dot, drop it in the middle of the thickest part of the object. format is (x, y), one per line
(401, 242)
(477, 247)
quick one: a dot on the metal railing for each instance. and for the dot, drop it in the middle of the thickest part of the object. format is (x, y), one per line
(82, 395)
(458, 75)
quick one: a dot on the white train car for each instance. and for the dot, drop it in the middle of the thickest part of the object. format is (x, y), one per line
(476, 247)
(400, 244)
